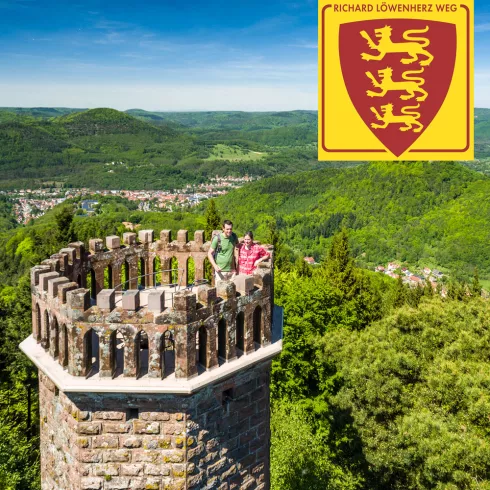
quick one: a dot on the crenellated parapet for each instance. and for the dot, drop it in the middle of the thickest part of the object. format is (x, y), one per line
(139, 259)
(115, 311)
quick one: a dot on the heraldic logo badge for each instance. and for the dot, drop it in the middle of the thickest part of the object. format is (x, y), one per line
(395, 81)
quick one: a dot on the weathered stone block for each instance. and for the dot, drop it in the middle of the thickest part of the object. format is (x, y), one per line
(145, 236)
(226, 289)
(83, 442)
(105, 442)
(129, 238)
(71, 254)
(118, 483)
(112, 428)
(89, 428)
(44, 278)
(157, 470)
(166, 236)
(62, 260)
(146, 456)
(91, 483)
(178, 470)
(206, 295)
(174, 456)
(185, 304)
(156, 301)
(155, 416)
(53, 264)
(244, 284)
(131, 299)
(112, 242)
(78, 299)
(106, 299)
(64, 288)
(130, 442)
(79, 247)
(54, 284)
(110, 415)
(106, 470)
(132, 469)
(89, 456)
(152, 484)
(199, 237)
(142, 427)
(182, 237)
(36, 271)
(117, 456)
(140, 484)
(178, 442)
(96, 245)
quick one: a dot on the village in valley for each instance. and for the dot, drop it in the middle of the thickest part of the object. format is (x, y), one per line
(395, 270)
(30, 204)
(421, 278)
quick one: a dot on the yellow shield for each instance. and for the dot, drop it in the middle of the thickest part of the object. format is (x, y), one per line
(395, 81)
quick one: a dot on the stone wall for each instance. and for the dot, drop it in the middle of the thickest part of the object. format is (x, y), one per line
(216, 438)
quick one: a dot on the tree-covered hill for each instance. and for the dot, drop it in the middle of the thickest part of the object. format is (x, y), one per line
(163, 150)
(427, 213)
(39, 112)
(230, 120)
(77, 148)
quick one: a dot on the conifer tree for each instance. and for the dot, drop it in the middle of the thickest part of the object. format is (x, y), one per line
(64, 219)
(213, 220)
(339, 266)
(302, 268)
(399, 293)
(476, 286)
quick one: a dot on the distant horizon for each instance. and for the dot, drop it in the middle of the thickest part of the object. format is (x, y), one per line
(252, 57)
(149, 110)
(165, 111)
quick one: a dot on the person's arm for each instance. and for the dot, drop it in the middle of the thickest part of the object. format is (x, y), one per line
(211, 254)
(264, 255)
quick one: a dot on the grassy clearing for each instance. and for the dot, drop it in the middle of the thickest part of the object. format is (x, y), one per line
(234, 153)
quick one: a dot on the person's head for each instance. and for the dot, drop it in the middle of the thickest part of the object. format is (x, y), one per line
(227, 228)
(248, 238)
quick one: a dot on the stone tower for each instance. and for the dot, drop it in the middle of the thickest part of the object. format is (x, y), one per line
(146, 381)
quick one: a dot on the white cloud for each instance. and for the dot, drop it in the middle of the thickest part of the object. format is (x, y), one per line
(305, 45)
(482, 27)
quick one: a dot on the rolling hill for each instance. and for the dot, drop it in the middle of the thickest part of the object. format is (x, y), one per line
(425, 213)
(164, 150)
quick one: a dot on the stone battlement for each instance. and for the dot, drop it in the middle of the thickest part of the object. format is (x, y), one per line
(152, 329)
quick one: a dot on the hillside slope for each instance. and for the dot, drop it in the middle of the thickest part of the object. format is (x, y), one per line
(434, 214)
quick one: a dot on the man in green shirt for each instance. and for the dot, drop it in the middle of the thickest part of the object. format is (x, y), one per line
(223, 252)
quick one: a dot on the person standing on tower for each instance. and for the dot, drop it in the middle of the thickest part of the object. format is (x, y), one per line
(223, 252)
(250, 255)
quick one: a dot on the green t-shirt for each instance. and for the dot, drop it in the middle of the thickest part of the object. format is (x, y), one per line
(224, 257)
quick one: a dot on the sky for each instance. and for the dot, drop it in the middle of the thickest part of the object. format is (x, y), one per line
(169, 55)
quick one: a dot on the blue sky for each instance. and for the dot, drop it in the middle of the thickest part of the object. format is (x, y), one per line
(172, 55)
